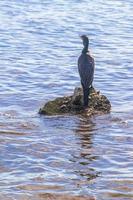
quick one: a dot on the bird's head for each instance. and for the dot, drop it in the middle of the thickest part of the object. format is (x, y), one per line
(85, 40)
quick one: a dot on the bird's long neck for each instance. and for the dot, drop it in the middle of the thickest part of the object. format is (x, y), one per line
(85, 49)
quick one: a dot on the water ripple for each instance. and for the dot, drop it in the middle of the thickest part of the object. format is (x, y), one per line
(56, 157)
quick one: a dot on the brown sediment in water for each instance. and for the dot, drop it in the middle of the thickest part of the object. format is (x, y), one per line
(39, 187)
(45, 196)
(48, 196)
(98, 104)
(11, 132)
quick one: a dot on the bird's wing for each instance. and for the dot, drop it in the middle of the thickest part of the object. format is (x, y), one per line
(86, 69)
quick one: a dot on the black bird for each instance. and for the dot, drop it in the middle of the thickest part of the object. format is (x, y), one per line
(86, 69)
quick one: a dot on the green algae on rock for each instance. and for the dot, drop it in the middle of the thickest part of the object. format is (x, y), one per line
(73, 104)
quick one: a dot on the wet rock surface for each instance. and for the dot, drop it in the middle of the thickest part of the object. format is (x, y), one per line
(73, 104)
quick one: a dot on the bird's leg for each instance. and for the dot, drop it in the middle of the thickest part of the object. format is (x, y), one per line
(86, 92)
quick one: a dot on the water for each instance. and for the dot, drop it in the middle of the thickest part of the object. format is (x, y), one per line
(65, 155)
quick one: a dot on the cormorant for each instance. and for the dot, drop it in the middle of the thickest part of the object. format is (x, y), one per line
(86, 69)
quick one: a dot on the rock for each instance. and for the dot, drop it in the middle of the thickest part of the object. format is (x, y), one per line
(98, 103)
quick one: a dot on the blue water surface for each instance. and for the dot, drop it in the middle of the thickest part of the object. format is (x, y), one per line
(72, 155)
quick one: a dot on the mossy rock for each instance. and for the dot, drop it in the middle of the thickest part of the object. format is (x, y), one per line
(98, 103)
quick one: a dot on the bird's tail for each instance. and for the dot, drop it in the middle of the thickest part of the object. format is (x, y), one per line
(86, 92)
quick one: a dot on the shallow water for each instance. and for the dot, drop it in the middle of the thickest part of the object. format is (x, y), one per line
(65, 155)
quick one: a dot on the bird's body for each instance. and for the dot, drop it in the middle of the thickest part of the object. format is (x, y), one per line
(86, 69)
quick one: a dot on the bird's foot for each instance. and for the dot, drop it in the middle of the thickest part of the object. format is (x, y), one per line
(85, 108)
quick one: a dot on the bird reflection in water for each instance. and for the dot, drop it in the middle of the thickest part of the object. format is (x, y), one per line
(86, 155)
